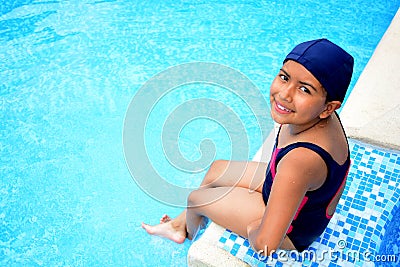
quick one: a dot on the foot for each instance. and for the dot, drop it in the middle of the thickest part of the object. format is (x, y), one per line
(167, 229)
(165, 218)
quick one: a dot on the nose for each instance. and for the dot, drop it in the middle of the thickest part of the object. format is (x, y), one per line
(286, 92)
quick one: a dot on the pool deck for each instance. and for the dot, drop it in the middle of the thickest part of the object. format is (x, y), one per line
(371, 114)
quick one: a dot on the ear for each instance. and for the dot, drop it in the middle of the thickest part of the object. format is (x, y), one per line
(330, 107)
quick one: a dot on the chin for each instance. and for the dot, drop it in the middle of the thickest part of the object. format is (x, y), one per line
(278, 119)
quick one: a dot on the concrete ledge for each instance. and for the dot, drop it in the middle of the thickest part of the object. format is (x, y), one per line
(204, 252)
(371, 113)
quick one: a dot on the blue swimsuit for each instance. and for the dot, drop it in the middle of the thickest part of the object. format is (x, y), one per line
(312, 215)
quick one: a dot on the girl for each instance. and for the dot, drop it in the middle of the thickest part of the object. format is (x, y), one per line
(288, 203)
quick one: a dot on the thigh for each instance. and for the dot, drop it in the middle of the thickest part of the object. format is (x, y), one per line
(231, 207)
(245, 174)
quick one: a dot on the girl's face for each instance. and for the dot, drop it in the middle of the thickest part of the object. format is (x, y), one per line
(296, 96)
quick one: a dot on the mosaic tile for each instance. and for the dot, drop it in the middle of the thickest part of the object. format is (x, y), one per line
(365, 209)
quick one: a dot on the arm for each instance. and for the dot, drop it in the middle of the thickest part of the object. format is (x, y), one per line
(299, 171)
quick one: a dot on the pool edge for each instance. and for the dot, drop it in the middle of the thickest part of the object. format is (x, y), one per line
(204, 252)
(370, 114)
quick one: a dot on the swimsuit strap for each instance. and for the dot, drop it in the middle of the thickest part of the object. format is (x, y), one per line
(317, 149)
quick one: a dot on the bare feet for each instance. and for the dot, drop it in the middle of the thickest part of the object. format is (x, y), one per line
(167, 228)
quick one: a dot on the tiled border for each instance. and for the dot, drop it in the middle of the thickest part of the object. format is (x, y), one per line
(357, 228)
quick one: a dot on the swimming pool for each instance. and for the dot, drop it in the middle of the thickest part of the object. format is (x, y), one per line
(68, 73)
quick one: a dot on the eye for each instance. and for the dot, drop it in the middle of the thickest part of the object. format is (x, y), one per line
(283, 77)
(305, 89)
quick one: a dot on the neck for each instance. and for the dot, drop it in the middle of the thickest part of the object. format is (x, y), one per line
(298, 131)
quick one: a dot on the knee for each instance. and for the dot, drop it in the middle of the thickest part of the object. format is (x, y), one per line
(219, 165)
(194, 199)
(217, 168)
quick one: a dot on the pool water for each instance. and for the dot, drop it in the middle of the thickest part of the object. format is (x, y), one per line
(68, 71)
(391, 241)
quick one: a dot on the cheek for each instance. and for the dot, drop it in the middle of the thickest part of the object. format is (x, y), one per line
(274, 87)
(316, 108)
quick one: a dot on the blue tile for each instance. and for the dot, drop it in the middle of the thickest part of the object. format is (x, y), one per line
(386, 213)
(336, 234)
(236, 246)
(250, 253)
(258, 257)
(377, 233)
(234, 252)
(233, 237)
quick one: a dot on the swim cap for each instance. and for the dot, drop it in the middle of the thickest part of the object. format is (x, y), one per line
(330, 64)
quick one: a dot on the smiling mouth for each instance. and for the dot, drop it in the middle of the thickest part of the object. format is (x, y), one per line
(282, 108)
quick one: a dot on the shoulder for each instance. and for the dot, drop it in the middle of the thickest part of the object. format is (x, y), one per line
(329, 135)
(303, 166)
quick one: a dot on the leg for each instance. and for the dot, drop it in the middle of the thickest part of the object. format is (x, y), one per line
(235, 210)
(247, 175)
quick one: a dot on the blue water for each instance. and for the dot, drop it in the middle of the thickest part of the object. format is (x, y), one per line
(391, 241)
(68, 71)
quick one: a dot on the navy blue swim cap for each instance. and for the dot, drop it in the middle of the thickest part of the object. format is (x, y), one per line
(330, 65)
